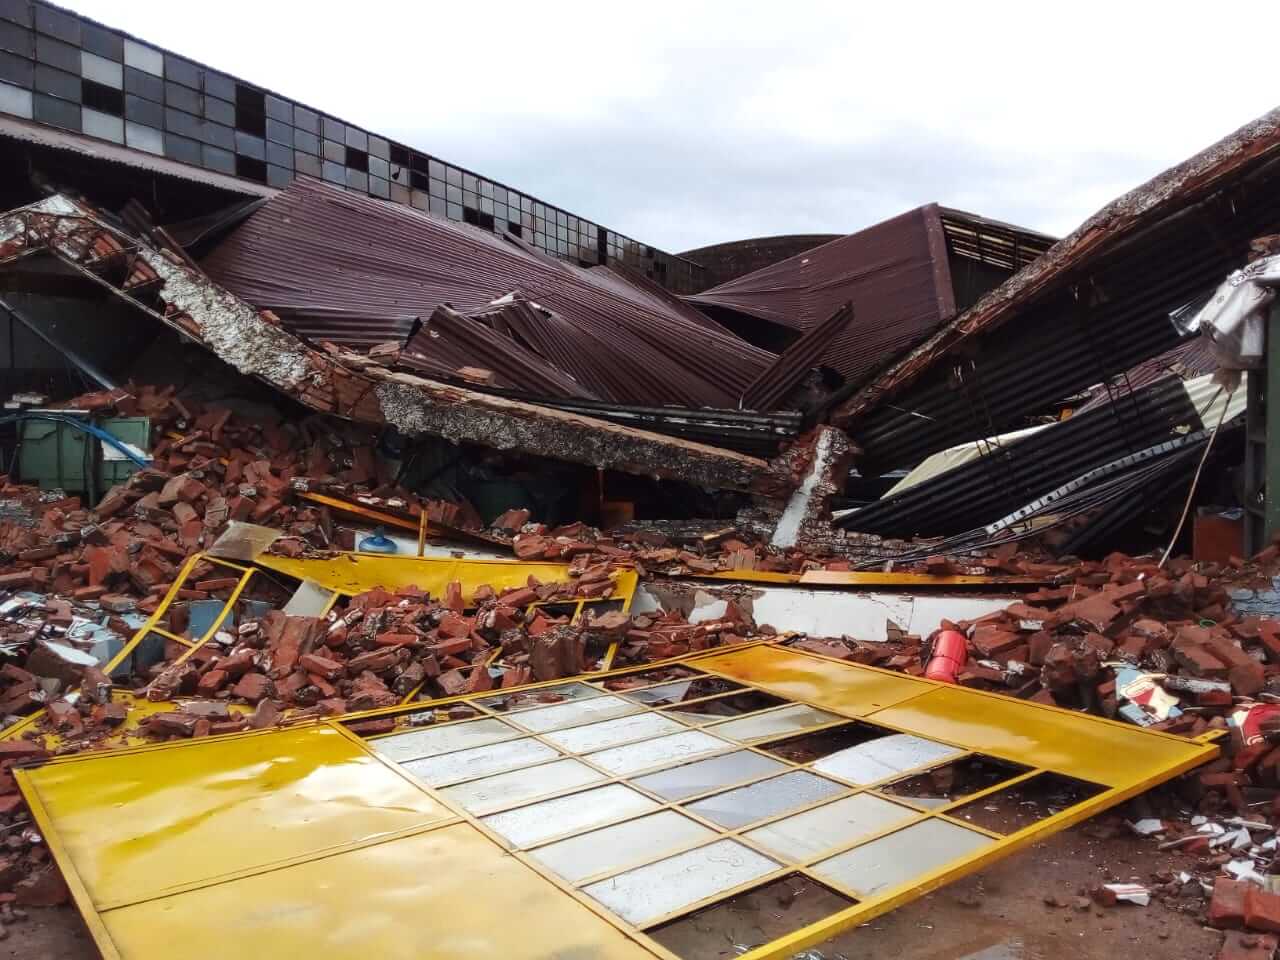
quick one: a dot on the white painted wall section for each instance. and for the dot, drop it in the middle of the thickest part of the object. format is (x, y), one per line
(862, 615)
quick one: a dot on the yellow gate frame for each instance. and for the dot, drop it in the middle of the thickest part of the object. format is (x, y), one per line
(139, 899)
(345, 575)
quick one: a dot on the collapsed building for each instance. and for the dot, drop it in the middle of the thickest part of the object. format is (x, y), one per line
(910, 546)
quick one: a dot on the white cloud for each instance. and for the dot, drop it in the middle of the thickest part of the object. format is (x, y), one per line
(690, 123)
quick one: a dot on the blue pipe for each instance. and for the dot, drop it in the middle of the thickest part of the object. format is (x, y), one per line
(88, 428)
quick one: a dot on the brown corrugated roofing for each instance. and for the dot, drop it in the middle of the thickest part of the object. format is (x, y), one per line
(797, 360)
(449, 341)
(905, 277)
(317, 251)
(895, 274)
(1193, 358)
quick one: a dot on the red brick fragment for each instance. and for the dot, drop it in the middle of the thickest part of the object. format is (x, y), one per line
(322, 666)
(1226, 908)
(252, 687)
(1261, 910)
(43, 888)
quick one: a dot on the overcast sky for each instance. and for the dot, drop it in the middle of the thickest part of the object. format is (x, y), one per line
(690, 123)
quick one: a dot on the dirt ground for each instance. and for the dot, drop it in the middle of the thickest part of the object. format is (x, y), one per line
(999, 914)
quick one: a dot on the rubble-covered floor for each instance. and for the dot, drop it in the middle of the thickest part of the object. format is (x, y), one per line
(998, 914)
(1056, 636)
(338, 440)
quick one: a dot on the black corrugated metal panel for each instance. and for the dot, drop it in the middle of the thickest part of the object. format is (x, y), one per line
(1193, 358)
(1082, 334)
(894, 273)
(315, 247)
(1142, 255)
(982, 490)
(757, 434)
(1088, 513)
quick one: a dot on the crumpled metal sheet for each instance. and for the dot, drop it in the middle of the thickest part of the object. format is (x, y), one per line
(1235, 318)
(316, 253)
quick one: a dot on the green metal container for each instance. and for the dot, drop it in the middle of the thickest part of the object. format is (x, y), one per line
(58, 455)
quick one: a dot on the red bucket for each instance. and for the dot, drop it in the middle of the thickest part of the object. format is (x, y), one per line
(949, 656)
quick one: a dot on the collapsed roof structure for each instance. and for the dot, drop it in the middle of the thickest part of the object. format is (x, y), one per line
(328, 262)
(905, 277)
(475, 494)
(184, 298)
(1097, 303)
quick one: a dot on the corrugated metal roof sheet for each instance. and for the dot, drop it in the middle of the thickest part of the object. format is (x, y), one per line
(1193, 358)
(315, 249)
(1096, 304)
(449, 341)
(798, 359)
(897, 275)
(1030, 464)
(886, 271)
(353, 329)
(1108, 238)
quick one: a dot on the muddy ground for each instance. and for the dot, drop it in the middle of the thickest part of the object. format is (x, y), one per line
(999, 914)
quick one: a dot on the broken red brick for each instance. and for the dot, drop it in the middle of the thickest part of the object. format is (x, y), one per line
(1226, 907)
(252, 687)
(43, 888)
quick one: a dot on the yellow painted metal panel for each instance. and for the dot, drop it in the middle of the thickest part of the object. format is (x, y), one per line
(797, 675)
(447, 894)
(857, 578)
(863, 578)
(1077, 744)
(353, 573)
(328, 869)
(136, 823)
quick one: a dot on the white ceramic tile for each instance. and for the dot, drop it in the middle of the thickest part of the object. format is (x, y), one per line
(657, 889)
(883, 757)
(480, 797)
(840, 823)
(541, 697)
(724, 707)
(599, 736)
(692, 688)
(767, 798)
(667, 692)
(525, 826)
(574, 713)
(431, 741)
(635, 757)
(676, 783)
(611, 848)
(450, 768)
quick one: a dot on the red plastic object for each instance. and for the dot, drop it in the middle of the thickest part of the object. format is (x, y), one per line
(949, 656)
